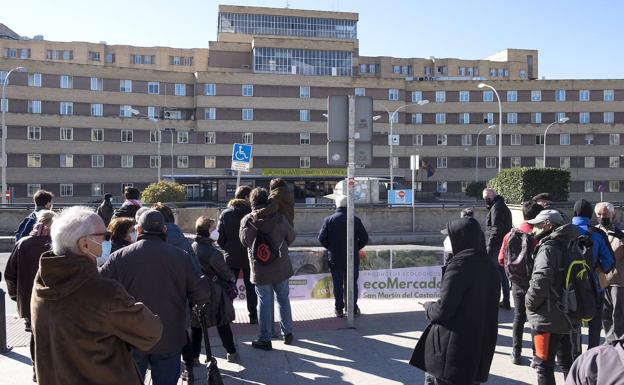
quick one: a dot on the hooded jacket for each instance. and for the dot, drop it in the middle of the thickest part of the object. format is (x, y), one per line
(281, 234)
(497, 224)
(83, 324)
(105, 211)
(127, 210)
(229, 227)
(459, 345)
(547, 278)
(602, 365)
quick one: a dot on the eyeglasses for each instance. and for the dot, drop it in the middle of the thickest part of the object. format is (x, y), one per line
(106, 235)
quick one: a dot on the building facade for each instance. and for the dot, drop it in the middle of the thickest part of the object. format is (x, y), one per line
(84, 119)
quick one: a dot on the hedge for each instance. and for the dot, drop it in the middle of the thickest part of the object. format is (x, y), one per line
(164, 191)
(518, 185)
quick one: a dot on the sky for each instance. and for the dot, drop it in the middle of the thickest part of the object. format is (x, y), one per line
(576, 39)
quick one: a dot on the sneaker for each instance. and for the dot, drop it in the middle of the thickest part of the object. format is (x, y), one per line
(232, 357)
(504, 305)
(187, 375)
(339, 313)
(516, 359)
(264, 345)
(288, 339)
(357, 312)
(253, 320)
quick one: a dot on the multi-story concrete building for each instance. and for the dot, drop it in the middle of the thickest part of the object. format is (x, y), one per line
(265, 81)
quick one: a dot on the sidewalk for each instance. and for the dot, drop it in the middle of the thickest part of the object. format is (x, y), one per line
(324, 352)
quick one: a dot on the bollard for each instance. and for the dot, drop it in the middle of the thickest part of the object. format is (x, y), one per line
(3, 334)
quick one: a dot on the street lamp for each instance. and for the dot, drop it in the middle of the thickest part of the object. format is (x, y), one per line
(500, 125)
(135, 112)
(391, 116)
(560, 121)
(4, 130)
(477, 156)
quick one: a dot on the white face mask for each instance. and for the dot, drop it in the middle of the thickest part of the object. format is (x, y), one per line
(106, 250)
(133, 236)
(214, 235)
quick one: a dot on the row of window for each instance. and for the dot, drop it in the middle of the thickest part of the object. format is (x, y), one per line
(608, 117)
(366, 68)
(511, 96)
(516, 161)
(25, 53)
(67, 189)
(515, 139)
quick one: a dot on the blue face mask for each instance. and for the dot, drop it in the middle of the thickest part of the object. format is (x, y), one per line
(106, 250)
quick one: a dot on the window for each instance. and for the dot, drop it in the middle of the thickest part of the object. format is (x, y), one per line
(539, 162)
(143, 59)
(183, 137)
(466, 140)
(97, 109)
(66, 160)
(590, 162)
(97, 189)
(464, 96)
(304, 92)
(3, 76)
(304, 138)
(247, 114)
(416, 96)
(66, 133)
(67, 108)
(304, 115)
(33, 160)
(564, 139)
(440, 118)
(512, 96)
(125, 86)
(67, 190)
(589, 139)
(464, 118)
(427, 70)
(464, 185)
(614, 162)
(442, 162)
(210, 137)
(34, 133)
(440, 96)
(10, 52)
(614, 139)
(97, 134)
(522, 74)
(155, 136)
(396, 69)
(539, 139)
(124, 111)
(360, 91)
(393, 94)
(608, 95)
(109, 58)
(488, 96)
(67, 81)
(304, 162)
(394, 162)
(180, 89)
(93, 56)
(516, 139)
(614, 186)
(152, 112)
(126, 136)
(248, 138)
(127, 161)
(536, 95)
(210, 89)
(589, 186)
(516, 161)
(560, 95)
(608, 118)
(512, 118)
(564, 162)
(60, 55)
(210, 161)
(97, 84)
(372, 68)
(583, 95)
(34, 106)
(583, 117)
(394, 118)
(417, 140)
(417, 118)
(211, 113)
(34, 80)
(32, 188)
(441, 140)
(153, 88)
(536, 117)
(490, 140)
(560, 115)
(247, 90)
(441, 187)
(181, 61)
(488, 118)
(183, 161)
(154, 161)
(363, 68)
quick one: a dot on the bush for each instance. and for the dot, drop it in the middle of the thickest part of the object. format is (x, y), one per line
(518, 185)
(475, 189)
(164, 191)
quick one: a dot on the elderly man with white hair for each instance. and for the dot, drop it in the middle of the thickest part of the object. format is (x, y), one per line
(83, 323)
(333, 237)
(613, 309)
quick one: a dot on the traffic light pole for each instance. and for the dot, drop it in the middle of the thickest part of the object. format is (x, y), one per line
(350, 214)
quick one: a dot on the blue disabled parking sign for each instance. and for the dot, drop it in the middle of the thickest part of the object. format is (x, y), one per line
(241, 157)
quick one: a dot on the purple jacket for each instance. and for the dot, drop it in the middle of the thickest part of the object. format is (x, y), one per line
(602, 365)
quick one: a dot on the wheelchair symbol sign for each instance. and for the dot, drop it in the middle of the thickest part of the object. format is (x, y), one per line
(241, 157)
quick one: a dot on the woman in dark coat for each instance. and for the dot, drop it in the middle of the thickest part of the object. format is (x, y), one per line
(458, 346)
(122, 233)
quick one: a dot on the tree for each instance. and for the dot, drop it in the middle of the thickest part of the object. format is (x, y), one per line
(164, 191)
(475, 189)
(520, 184)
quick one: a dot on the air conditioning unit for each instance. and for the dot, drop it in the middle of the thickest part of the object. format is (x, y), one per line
(172, 114)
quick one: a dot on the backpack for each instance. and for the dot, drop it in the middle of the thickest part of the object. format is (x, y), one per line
(262, 250)
(518, 257)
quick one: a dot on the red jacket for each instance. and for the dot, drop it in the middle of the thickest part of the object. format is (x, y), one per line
(525, 228)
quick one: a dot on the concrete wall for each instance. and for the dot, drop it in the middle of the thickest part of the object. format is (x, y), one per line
(10, 220)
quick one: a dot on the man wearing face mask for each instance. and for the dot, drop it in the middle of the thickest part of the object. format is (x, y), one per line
(83, 323)
(613, 310)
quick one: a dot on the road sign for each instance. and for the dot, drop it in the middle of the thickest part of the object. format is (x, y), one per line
(400, 197)
(241, 157)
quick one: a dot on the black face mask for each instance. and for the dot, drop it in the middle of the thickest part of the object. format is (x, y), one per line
(605, 222)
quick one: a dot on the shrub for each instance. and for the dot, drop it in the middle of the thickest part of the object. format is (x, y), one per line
(164, 191)
(518, 185)
(475, 189)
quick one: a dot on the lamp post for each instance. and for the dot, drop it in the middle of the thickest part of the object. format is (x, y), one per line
(391, 116)
(477, 155)
(560, 121)
(500, 125)
(4, 131)
(135, 112)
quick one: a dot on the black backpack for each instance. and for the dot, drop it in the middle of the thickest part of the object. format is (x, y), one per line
(263, 251)
(518, 257)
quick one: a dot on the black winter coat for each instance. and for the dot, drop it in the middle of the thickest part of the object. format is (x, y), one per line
(126, 211)
(229, 240)
(459, 345)
(105, 211)
(497, 224)
(333, 237)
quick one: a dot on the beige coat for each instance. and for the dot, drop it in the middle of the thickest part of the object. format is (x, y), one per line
(615, 277)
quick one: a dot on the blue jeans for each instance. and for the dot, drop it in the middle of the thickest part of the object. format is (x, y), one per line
(165, 367)
(339, 277)
(265, 309)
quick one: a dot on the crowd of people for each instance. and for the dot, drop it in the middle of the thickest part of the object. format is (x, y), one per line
(91, 283)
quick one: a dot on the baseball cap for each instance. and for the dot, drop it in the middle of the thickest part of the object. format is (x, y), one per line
(552, 216)
(541, 196)
(152, 221)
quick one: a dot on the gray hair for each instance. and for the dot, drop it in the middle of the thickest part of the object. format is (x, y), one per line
(140, 211)
(489, 189)
(69, 226)
(45, 217)
(608, 205)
